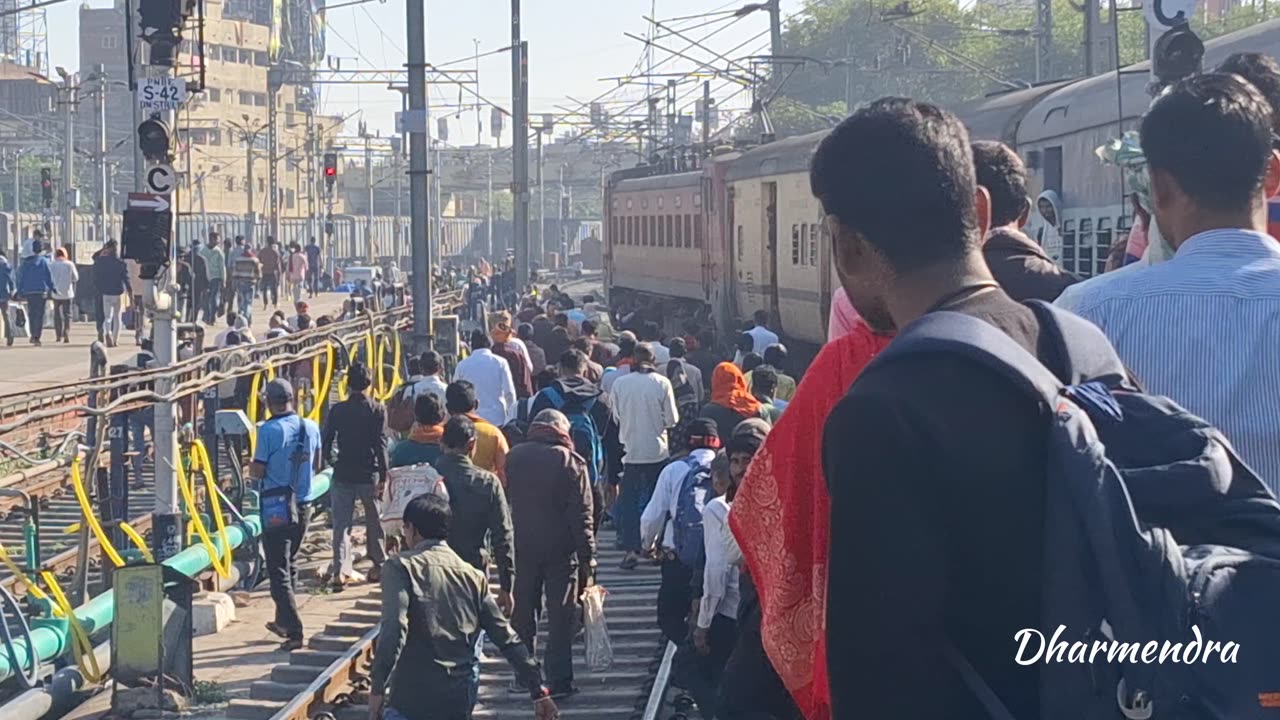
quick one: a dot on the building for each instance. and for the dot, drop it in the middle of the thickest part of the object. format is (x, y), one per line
(222, 137)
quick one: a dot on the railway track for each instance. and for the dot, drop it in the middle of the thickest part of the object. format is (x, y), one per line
(331, 674)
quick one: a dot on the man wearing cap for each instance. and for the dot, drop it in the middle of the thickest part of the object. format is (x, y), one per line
(676, 594)
(505, 347)
(286, 455)
(357, 425)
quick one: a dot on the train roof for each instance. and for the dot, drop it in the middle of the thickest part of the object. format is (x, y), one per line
(996, 117)
(791, 155)
(1094, 102)
(660, 182)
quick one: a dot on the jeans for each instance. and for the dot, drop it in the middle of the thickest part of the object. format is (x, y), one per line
(213, 301)
(111, 319)
(450, 699)
(296, 286)
(675, 598)
(270, 287)
(557, 579)
(313, 281)
(4, 320)
(280, 546)
(344, 496)
(244, 297)
(62, 318)
(638, 482)
(139, 421)
(705, 672)
(35, 314)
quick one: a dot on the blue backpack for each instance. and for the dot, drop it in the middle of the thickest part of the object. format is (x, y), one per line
(1155, 534)
(582, 430)
(695, 491)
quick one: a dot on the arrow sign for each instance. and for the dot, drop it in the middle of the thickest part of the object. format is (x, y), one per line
(149, 201)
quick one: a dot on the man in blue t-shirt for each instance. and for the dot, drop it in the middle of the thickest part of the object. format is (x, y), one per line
(287, 454)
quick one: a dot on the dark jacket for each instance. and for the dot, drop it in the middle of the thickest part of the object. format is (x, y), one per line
(520, 371)
(726, 420)
(7, 285)
(358, 425)
(34, 277)
(551, 504)
(1022, 268)
(110, 275)
(481, 517)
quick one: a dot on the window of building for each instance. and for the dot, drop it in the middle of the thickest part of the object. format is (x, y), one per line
(671, 231)
(261, 59)
(246, 56)
(246, 97)
(231, 184)
(613, 230)
(215, 95)
(1103, 242)
(110, 42)
(229, 54)
(288, 199)
(661, 235)
(795, 244)
(1084, 248)
(262, 185)
(288, 108)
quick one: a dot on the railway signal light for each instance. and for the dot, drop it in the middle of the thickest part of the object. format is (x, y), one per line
(145, 238)
(161, 22)
(330, 170)
(46, 186)
(154, 140)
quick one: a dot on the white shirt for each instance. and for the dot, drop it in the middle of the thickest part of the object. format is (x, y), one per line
(495, 390)
(429, 384)
(763, 337)
(611, 377)
(720, 593)
(65, 277)
(645, 406)
(661, 354)
(666, 494)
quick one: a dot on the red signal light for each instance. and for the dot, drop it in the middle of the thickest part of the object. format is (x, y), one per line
(330, 171)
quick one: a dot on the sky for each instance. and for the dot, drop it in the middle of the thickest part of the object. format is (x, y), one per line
(572, 44)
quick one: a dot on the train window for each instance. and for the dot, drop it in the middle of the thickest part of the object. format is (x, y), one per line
(631, 203)
(813, 245)
(651, 240)
(644, 203)
(1053, 169)
(697, 200)
(1122, 228)
(613, 230)
(688, 231)
(697, 235)
(1103, 243)
(795, 244)
(1084, 248)
(1069, 245)
(671, 231)
(662, 233)
(659, 202)
(741, 250)
(678, 200)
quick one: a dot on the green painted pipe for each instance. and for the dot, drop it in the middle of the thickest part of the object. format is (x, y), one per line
(52, 638)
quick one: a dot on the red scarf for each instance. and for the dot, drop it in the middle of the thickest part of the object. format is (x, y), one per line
(781, 519)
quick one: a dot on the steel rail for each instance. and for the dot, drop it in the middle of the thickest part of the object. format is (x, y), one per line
(334, 681)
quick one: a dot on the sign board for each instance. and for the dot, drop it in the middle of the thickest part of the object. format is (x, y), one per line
(136, 634)
(411, 121)
(156, 94)
(148, 201)
(161, 179)
(495, 122)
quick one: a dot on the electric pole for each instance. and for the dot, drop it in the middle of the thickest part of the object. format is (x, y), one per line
(70, 91)
(520, 148)
(103, 195)
(368, 189)
(415, 122)
(489, 208)
(564, 238)
(273, 153)
(542, 207)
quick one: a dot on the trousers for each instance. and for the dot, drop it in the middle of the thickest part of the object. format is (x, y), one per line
(450, 700)
(638, 482)
(344, 496)
(270, 288)
(705, 672)
(675, 600)
(280, 545)
(557, 580)
(111, 319)
(35, 315)
(62, 318)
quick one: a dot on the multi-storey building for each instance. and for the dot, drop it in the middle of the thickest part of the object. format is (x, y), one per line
(222, 136)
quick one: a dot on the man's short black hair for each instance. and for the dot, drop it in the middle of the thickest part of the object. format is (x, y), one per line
(413, 366)
(761, 317)
(459, 431)
(650, 332)
(900, 174)
(430, 515)
(677, 347)
(588, 328)
(428, 410)
(460, 397)
(546, 378)
(1262, 72)
(525, 331)
(999, 169)
(358, 377)
(480, 340)
(573, 362)
(764, 380)
(1212, 134)
(561, 320)
(746, 342)
(431, 362)
(626, 346)
(751, 361)
(775, 355)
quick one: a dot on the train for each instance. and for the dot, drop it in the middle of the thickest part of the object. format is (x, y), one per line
(742, 232)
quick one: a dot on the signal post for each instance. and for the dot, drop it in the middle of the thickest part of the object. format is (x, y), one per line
(148, 238)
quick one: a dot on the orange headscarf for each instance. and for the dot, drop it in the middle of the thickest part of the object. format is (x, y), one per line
(729, 388)
(781, 521)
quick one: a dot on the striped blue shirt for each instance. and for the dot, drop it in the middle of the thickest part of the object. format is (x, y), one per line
(1204, 330)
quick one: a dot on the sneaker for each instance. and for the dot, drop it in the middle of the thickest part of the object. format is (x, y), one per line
(276, 630)
(629, 562)
(291, 644)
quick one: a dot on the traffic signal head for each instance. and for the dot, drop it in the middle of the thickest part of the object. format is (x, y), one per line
(153, 140)
(330, 169)
(145, 238)
(161, 22)
(46, 186)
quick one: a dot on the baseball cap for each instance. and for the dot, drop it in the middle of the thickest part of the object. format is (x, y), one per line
(703, 433)
(279, 391)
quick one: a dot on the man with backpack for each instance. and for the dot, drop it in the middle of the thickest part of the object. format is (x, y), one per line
(552, 512)
(671, 526)
(947, 451)
(587, 409)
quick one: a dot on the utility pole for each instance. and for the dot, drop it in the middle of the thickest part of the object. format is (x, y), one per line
(103, 193)
(1090, 37)
(70, 91)
(479, 103)
(419, 211)
(1044, 39)
(368, 189)
(135, 72)
(519, 148)
(564, 238)
(489, 209)
(775, 28)
(542, 207)
(273, 153)
(706, 118)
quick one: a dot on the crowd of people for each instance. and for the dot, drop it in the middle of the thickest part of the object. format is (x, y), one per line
(225, 274)
(867, 538)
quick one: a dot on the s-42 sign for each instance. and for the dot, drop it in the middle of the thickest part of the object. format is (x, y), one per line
(161, 93)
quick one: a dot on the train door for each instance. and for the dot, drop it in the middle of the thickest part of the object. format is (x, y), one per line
(733, 248)
(769, 249)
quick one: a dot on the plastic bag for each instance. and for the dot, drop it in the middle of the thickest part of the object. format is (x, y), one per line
(403, 485)
(599, 648)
